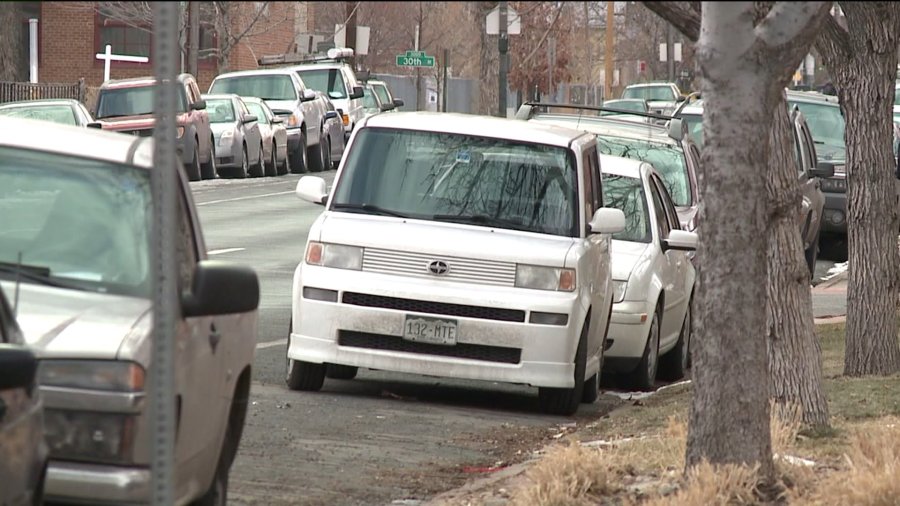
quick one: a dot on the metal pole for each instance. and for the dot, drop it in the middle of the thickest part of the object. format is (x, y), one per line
(194, 38)
(444, 84)
(33, 50)
(609, 57)
(165, 292)
(503, 46)
(350, 30)
(670, 53)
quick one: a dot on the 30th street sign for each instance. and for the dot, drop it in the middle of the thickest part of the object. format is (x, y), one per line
(415, 59)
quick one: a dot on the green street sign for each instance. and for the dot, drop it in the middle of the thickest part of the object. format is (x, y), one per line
(415, 59)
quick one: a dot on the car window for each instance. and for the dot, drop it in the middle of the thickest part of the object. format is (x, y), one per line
(83, 223)
(57, 113)
(258, 111)
(186, 250)
(650, 93)
(382, 93)
(133, 101)
(461, 178)
(826, 124)
(266, 86)
(694, 126)
(221, 110)
(590, 186)
(369, 101)
(667, 159)
(811, 146)
(659, 210)
(328, 81)
(627, 194)
(671, 215)
(624, 105)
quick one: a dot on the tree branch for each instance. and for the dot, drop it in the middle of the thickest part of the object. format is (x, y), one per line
(685, 19)
(543, 37)
(788, 21)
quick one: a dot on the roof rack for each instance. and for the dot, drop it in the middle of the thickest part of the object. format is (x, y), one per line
(334, 55)
(675, 128)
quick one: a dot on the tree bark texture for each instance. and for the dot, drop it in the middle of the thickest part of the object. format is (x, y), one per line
(794, 352)
(10, 19)
(862, 59)
(744, 66)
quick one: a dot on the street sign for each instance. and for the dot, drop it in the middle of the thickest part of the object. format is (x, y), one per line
(513, 22)
(415, 59)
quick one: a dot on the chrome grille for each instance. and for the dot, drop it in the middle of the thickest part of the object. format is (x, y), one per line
(467, 270)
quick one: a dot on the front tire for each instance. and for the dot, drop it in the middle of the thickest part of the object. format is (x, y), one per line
(674, 365)
(272, 166)
(564, 401)
(304, 376)
(811, 255)
(298, 157)
(208, 169)
(316, 156)
(193, 168)
(644, 375)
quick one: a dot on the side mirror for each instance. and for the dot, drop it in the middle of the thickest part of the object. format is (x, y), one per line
(221, 288)
(276, 120)
(308, 95)
(676, 129)
(387, 107)
(331, 115)
(357, 92)
(249, 118)
(681, 240)
(19, 366)
(398, 102)
(312, 189)
(199, 105)
(607, 220)
(823, 170)
(95, 124)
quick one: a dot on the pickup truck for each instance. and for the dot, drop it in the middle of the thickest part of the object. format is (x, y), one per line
(77, 238)
(126, 106)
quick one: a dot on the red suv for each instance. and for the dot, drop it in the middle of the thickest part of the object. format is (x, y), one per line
(126, 106)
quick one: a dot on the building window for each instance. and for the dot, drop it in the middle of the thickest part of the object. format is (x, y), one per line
(127, 32)
(208, 44)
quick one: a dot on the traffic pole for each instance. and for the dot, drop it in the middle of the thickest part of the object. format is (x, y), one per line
(165, 293)
(503, 46)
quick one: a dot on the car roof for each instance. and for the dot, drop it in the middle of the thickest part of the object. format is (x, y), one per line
(482, 126)
(320, 65)
(608, 126)
(256, 72)
(621, 166)
(222, 96)
(657, 83)
(812, 96)
(134, 82)
(40, 102)
(76, 141)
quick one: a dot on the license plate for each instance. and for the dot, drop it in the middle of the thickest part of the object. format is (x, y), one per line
(430, 330)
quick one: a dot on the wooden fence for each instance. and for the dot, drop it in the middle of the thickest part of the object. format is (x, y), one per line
(12, 91)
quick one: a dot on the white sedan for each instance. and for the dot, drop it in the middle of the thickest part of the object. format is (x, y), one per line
(653, 277)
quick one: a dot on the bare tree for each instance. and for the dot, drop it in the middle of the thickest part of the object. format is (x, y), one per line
(862, 60)
(10, 43)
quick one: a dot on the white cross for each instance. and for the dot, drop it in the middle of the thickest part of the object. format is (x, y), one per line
(108, 57)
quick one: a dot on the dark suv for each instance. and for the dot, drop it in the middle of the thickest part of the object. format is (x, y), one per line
(126, 106)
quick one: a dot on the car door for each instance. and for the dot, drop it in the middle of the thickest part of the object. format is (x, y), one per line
(251, 132)
(313, 113)
(812, 199)
(667, 266)
(598, 251)
(201, 118)
(678, 296)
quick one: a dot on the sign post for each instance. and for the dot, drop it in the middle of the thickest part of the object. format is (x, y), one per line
(108, 57)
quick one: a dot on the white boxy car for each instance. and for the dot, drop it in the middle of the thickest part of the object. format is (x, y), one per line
(458, 246)
(653, 277)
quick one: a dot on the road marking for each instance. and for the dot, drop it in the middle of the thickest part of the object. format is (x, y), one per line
(226, 250)
(271, 344)
(244, 198)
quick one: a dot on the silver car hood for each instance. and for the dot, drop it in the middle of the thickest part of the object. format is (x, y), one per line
(65, 323)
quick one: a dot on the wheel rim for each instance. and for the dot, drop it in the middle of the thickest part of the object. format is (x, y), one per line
(653, 348)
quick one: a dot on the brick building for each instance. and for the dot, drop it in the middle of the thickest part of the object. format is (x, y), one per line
(70, 34)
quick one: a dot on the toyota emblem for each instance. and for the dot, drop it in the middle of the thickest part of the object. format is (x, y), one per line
(438, 268)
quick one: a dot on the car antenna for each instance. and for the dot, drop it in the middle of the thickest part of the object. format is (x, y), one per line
(18, 282)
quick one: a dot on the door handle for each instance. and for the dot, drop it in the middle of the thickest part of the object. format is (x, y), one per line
(214, 337)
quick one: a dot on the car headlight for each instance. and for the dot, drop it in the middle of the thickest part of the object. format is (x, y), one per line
(338, 256)
(545, 278)
(293, 121)
(619, 288)
(226, 137)
(89, 436)
(179, 132)
(108, 375)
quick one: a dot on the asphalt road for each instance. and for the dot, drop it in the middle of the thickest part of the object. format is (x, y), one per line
(379, 438)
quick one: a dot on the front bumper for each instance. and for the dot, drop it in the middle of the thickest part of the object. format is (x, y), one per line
(628, 328)
(293, 138)
(226, 154)
(834, 215)
(75, 482)
(361, 335)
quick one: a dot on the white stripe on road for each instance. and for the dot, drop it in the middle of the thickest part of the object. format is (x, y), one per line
(271, 344)
(226, 250)
(244, 198)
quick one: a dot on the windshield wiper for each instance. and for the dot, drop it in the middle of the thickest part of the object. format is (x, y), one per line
(482, 219)
(369, 209)
(35, 273)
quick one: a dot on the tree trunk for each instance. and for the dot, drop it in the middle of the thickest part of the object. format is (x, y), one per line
(863, 62)
(10, 18)
(795, 356)
(490, 62)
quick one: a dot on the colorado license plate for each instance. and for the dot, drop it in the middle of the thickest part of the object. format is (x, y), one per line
(430, 330)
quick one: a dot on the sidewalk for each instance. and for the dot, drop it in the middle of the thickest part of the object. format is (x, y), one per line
(829, 299)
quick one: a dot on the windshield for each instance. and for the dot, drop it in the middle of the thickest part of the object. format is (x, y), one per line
(651, 93)
(826, 124)
(81, 222)
(266, 87)
(667, 160)
(115, 102)
(57, 113)
(460, 178)
(624, 105)
(329, 81)
(694, 124)
(221, 110)
(257, 110)
(370, 103)
(897, 95)
(627, 194)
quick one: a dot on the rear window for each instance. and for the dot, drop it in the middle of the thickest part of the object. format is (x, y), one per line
(650, 93)
(134, 101)
(57, 113)
(266, 87)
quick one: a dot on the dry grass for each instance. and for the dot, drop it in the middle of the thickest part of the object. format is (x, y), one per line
(569, 475)
(711, 485)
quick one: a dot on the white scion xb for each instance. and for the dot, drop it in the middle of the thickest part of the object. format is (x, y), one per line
(653, 277)
(458, 246)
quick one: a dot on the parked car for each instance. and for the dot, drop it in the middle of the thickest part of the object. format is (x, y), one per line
(126, 105)
(78, 237)
(334, 130)
(58, 110)
(239, 143)
(23, 451)
(371, 102)
(627, 104)
(335, 77)
(662, 97)
(431, 208)
(653, 278)
(274, 136)
(289, 98)
(384, 94)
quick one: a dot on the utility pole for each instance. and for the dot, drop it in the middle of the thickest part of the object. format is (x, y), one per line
(503, 46)
(609, 57)
(350, 30)
(670, 53)
(588, 84)
(444, 85)
(193, 37)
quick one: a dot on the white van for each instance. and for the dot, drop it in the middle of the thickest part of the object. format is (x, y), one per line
(458, 246)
